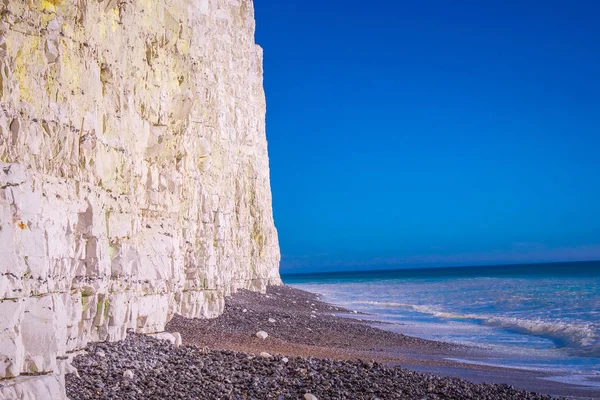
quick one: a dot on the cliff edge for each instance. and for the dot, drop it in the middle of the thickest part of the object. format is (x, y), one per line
(134, 176)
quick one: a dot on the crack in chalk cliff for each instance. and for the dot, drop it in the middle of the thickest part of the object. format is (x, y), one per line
(7, 185)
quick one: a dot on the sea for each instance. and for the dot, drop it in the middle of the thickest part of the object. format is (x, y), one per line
(543, 317)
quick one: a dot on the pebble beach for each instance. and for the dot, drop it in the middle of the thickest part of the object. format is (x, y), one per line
(285, 344)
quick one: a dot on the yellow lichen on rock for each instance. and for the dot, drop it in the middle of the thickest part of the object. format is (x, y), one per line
(27, 54)
(50, 5)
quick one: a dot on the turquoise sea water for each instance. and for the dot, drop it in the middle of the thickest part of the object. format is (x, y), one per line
(535, 316)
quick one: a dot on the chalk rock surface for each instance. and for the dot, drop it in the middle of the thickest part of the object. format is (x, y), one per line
(262, 335)
(134, 176)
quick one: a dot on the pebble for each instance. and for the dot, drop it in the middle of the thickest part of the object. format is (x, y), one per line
(272, 320)
(164, 371)
(100, 353)
(262, 335)
(264, 354)
(309, 396)
(244, 310)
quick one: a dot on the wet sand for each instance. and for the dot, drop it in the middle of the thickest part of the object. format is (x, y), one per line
(299, 324)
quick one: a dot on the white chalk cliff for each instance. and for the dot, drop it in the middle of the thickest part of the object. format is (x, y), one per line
(134, 176)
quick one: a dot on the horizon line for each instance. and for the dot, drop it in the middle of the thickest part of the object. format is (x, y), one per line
(395, 268)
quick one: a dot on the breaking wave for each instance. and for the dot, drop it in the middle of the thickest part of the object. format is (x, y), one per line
(581, 338)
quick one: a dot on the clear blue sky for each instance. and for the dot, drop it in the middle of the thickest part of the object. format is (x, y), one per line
(434, 132)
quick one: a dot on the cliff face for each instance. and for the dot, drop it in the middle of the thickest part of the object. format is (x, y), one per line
(134, 177)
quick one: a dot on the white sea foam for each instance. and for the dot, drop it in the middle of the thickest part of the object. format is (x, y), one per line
(579, 336)
(531, 319)
(586, 380)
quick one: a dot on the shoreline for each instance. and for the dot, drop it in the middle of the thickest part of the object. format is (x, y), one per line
(334, 332)
(312, 347)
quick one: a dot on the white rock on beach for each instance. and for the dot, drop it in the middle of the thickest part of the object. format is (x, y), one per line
(309, 396)
(262, 335)
(178, 340)
(264, 354)
(173, 337)
(100, 353)
(128, 374)
(284, 360)
(272, 320)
